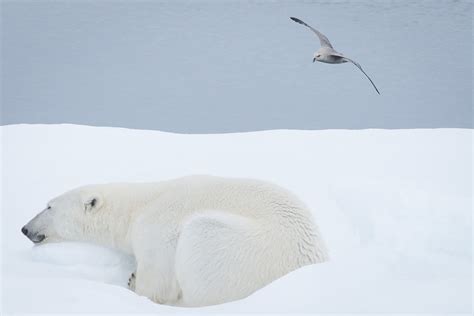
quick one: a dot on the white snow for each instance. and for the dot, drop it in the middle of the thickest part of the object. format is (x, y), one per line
(395, 207)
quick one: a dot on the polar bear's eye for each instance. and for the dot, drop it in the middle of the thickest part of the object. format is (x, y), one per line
(49, 207)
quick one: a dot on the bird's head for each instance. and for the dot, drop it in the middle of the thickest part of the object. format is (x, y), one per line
(317, 56)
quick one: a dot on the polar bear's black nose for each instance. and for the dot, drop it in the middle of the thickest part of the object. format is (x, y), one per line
(24, 230)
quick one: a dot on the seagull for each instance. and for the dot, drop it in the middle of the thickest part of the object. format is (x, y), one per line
(327, 54)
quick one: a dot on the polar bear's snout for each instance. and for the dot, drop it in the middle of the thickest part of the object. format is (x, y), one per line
(36, 229)
(33, 234)
(34, 237)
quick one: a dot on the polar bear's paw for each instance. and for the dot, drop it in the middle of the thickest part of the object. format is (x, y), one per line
(131, 281)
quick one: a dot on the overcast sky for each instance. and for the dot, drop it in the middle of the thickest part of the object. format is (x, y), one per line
(210, 67)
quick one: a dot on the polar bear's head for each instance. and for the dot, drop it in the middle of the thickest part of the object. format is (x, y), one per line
(67, 217)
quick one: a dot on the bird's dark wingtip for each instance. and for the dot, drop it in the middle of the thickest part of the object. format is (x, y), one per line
(296, 19)
(299, 21)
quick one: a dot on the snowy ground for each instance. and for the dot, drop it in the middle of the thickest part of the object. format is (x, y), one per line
(393, 206)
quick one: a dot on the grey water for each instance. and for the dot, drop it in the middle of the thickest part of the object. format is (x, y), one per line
(231, 66)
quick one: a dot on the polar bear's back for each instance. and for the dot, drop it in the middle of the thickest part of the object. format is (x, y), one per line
(247, 197)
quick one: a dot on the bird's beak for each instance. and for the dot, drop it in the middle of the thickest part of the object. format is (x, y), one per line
(314, 59)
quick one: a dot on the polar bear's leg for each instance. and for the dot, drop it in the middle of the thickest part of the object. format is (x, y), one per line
(155, 276)
(157, 282)
(218, 258)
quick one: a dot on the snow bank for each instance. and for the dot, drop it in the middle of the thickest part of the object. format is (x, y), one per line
(394, 207)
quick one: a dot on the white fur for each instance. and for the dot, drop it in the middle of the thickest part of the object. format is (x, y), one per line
(197, 240)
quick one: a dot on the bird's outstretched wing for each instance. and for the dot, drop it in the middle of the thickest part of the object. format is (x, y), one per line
(322, 39)
(358, 66)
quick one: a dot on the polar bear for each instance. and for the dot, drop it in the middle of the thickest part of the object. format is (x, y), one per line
(197, 240)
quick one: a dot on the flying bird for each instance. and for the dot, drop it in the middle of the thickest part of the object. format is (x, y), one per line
(327, 54)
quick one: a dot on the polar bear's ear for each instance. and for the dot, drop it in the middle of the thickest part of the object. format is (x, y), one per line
(92, 203)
